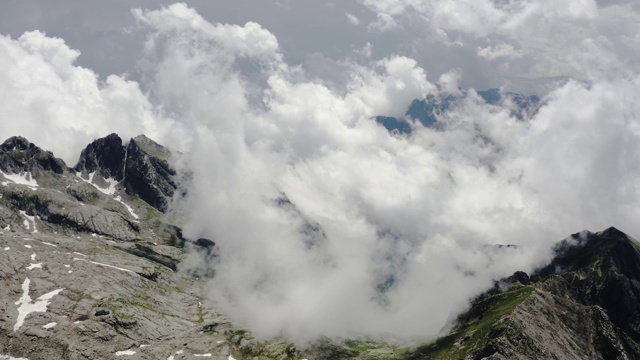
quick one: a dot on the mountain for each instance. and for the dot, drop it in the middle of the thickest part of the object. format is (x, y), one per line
(90, 269)
(142, 167)
(89, 264)
(426, 111)
(583, 305)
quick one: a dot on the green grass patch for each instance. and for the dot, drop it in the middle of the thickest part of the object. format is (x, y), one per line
(475, 327)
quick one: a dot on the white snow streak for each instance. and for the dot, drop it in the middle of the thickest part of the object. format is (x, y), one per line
(34, 266)
(111, 188)
(119, 199)
(49, 325)
(105, 265)
(125, 352)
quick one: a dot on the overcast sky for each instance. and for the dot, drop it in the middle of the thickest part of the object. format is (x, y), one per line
(267, 99)
(493, 43)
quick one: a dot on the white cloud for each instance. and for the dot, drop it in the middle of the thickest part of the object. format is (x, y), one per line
(61, 106)
(404, 220)
(547, 37)
(353, 20)
(410, 214)
(499, 51)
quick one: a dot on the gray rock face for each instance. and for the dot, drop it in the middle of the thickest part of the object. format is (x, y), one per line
(18, 155)
(142, 167)
(105, 156)
(148, 173)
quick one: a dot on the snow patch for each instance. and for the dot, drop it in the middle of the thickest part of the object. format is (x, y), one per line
(34, 266)
(129, 208)
(29, 220)
(49, 325)
(125, 352)
(50, 244)
(231, 358)
(28, 246)
(202, 355)
(33, 257)
(21, 179)
(26, 306)
(9, 357)
(110, 190)
(7, 248)
(111, 184)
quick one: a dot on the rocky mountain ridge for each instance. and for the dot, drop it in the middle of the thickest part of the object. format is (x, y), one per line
(583, 305)
(427, 111)
(90, 268)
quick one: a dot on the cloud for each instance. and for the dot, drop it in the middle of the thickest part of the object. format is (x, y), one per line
(61, 106)
(353, 20)
(499, 51)
(549, 39)
(384, 234)
(326, 223)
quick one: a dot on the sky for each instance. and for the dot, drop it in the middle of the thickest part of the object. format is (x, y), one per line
(325, 222)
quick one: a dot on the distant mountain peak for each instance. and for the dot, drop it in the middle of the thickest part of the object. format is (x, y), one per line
(426, 111)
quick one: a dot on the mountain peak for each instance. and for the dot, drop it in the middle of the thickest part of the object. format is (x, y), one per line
(18, 155)
(589, 295)
(105, 156)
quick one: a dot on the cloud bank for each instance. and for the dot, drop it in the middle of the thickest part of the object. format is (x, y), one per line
(61, 106)
(326, 223)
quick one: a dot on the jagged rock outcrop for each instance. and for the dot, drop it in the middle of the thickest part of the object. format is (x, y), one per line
(18, 156)
(142, 167)
(148, 173)
(105, 156)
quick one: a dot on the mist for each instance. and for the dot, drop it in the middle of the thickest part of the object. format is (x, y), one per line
(326, 223)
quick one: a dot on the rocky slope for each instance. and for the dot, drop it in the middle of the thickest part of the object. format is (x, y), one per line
(584, 305)
(88, 263)
(89, 269)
